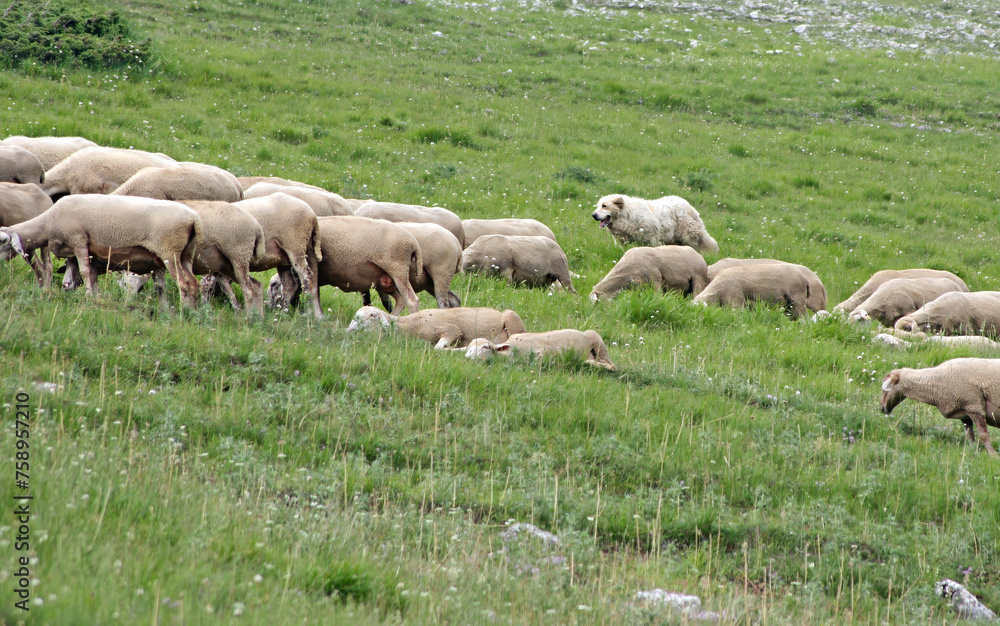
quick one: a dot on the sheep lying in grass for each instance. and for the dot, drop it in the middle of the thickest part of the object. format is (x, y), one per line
(99, 170)
(957, 313)
(49, 150)
(20, 203)
(587, 344)
(965, 389)
(18, 165)
(474, 229)
(534, 261)
(321, 201)
(395, 212)
(445, 328)
(905, 340)
(883, 276)
(120, 231)
(900, 296)
(816, 299)
(678, 268)
(666, 221)
(782, 284)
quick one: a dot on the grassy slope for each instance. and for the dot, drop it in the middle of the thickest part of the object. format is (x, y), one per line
(735, 455)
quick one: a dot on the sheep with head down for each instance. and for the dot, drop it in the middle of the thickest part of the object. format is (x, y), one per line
(882, 276)
(966, 389)
(476, 228)
(956, 313)
(20, 203)
(18, 165)
(99, 170)
(816, 299)
(441, 256)
(587, 344)
(900, 296)
(185, 181)
(781, 284)
(323, 202)
(396, 212)
(49, 150)
(445, 328)
(668, 268)
(534, 261)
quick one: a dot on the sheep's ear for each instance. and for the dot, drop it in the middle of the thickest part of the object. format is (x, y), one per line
(15, 242)
(890, 381)
(503, 347)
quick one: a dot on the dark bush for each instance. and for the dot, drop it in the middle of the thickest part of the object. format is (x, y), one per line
(68, 35)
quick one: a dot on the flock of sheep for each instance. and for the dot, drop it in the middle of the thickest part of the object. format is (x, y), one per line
(145, 214)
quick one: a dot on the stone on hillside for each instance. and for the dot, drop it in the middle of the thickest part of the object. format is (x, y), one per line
(515, 530)
(964, 603)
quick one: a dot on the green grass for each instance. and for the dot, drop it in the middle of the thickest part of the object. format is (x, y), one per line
(288, 471)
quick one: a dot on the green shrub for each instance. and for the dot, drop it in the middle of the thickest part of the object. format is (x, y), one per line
(579, 174)
(65, 35)
(699, 179)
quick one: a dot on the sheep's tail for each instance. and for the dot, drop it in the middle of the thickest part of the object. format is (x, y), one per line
(260, 246)
(317, 241)
(195, 235)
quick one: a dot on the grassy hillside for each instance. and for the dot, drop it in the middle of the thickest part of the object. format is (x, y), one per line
(192, 467)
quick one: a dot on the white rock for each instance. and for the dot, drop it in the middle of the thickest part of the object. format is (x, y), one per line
(964, 603)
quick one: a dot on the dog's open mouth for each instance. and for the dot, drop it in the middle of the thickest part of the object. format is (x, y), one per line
(604, 223)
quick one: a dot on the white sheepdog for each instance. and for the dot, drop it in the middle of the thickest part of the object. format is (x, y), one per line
(670, 220)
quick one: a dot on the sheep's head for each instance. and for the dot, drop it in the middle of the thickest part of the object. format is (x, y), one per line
(484, 348)
(370, 318)
(860, 315)
(909, 324)
(10, 245)
(608, 208)
(594, 297)
(891, 393)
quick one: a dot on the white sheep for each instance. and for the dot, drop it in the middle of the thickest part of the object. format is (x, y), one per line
(957, 313)
(246, 182)
(774, 283)
(900, 296)
(323, 202)
(669, 220)
(441, 256)
(185, 181)
(395, 212)
(902, 339)
(587, 344)
(882, 276)
(445, 328)
(532, 260)
(120, 231)
(965, 389)
(816, 299)
(49, 150)
(20, 203)
(361, 253)
(292, 243)
(677, 268)
(18, 165)
(476, 228)
(99, 170)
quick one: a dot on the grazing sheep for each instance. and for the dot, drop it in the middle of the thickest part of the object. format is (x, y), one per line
(231, 240)
(186, 181)
(246, 182)
(20, 203)
(361, 253)
(291, 243)
(49, 150)
(533, 260)
(900, 296)
(956, 313)
(587, 344)
(775, 283)
(99, 170)
(882, 276)
(119, 230)
(977, 342)
(816, 299)
(474, 229)
(413, 213)
(678, 268)
(321, 201)
(442, 259)
(966, 389)
(669, 220)
(18, 165)
(445, 328)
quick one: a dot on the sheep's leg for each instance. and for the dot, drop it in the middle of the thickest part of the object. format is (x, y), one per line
(366, 298)
(208, 285)
(405, 296)
(252, 294)
(226, 285)
(71, 279)
(160, 287)
(41, 263)
(308, 275)
(970, 431)
(984, 435)
(291, 287)
(89, 276)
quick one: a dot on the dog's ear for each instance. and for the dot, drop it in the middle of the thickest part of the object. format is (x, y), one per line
(619, 202)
